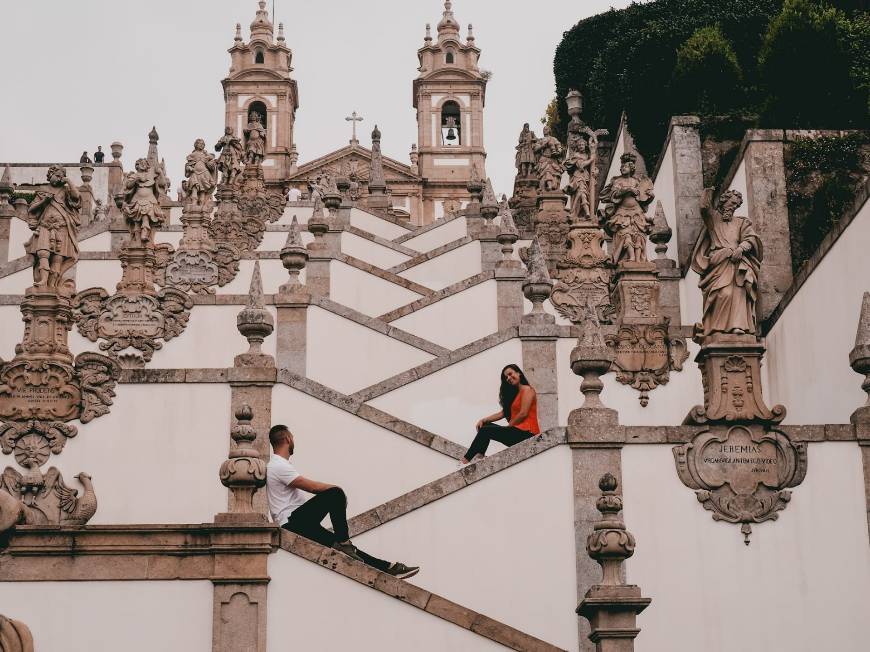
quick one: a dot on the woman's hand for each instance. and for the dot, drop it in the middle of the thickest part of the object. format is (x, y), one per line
(479, 424)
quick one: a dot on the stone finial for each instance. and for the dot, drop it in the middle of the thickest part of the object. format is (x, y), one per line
(117, 150)
(611, 606)
(281, 38)
(6, 191)
(153, 136)
(507, 232)
(428, 38)
(318, 225)
(238, 36)
(661, 231)
(244, 472)
(448, 23)
(255, 323)
(489, 203)
(591, 358)
(859, 358)
(261, 25)
(537, 286)
(475, 188)
(470, 37)
(294, 255)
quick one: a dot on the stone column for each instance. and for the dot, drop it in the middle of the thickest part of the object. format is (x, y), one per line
(292, 303)
(768, 211)
(7, 212)
(688, 183)
(319, 257)
(611, 607)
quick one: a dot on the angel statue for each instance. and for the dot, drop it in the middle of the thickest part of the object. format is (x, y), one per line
(627, 196)
(142, 190)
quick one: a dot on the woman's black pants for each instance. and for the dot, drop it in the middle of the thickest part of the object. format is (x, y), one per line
(507, 435)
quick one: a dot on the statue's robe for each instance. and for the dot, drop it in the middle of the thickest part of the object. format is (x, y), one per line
(730, 288)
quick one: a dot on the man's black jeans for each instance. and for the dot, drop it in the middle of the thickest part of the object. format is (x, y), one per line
(507, 435)
(305, 520)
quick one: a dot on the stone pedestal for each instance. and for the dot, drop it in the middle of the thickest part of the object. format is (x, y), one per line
(539, 339)
(48, 317)
(292, 329)
(509, 294)
(317, 273)
(551, 226)
(636, 293)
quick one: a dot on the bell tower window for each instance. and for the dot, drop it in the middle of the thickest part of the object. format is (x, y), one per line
(449, 58)
(451, 125)
(258, 57)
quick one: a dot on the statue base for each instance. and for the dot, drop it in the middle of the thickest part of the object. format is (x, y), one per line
(636, 293)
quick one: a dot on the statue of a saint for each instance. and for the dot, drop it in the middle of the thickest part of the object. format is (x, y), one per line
(627, 197)
(54, 216)
(727, 258)
(549, 164)
(142, 200)
(525, 158)
(201, 171)
(578, 164)
(231, 155)
(255, 140)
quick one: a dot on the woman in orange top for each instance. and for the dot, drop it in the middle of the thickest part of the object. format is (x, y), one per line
(519, 406)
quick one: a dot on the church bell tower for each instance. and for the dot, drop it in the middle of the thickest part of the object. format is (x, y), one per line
(449, 95)
(259, 82)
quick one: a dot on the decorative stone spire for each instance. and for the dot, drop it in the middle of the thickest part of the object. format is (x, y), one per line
(238, 36)
(318, 225)
(661, 231)
(591, 359)
(153, 157)
(470, 37)
(262, 26)
(612, 606)
(507, 235)
(859, 358)
(537, 286)
(489, 203)
(244, 472)
(6, 183)
(281, 38)
(448, 25)
(377, 176)
(428, 37)
(255, 323)
(294, 256)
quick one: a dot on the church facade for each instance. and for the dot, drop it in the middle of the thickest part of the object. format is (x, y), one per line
(701, 479)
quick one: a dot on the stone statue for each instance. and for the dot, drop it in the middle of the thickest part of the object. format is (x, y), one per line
(626, 197)
(230, 161)
(525, 157)
(200, 171)
(728, 259)
(142, 190)
(578, 164)
(54, 216)
(255, 140)
(549, 164)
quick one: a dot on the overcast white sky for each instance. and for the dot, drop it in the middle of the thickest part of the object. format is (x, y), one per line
(83, 73)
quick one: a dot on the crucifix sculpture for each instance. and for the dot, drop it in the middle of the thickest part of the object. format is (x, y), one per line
(353, 118)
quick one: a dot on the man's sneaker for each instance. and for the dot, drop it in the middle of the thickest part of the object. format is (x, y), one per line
(398, 569)
(347, 548)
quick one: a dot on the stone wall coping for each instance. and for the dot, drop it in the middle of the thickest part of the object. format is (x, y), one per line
(431, 254)
(619, 435)
(389, 244)
(412, 595)
(862, 196)
(437, 296)
(206, 551)
(398, 221)
(676, 121)
(453, 482)
(425, 229)
(386, 275)
(420, 371)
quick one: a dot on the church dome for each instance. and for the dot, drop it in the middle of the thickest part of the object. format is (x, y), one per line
(261, 26)
(448, 24)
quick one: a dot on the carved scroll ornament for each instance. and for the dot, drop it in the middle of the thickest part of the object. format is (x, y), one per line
(740, 473)
(645, 355)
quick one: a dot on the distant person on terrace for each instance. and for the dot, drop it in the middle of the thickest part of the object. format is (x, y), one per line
(519, 407)
(293, 510)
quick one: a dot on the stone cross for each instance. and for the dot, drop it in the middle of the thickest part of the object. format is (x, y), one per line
(353, 118)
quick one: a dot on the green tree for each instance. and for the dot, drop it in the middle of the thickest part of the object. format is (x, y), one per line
(707, 77)
(807, 69)
(551, 115)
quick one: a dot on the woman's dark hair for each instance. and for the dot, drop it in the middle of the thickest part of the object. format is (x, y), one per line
(507, 392)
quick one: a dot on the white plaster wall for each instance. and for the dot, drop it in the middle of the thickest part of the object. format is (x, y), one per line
(155, 457)
(668, 404)
(112, 616)
(301, 594)
(450, 401)
(99, 242)
(375, 225)
(271, 270)
(302, 214)
(450, 231)
(364, 292)
(275, 240)
(807, 361)
(370, 252)
(691, 299)
(739, 183)
(19, 234)
(447, 269)
(503, 546)
(175, 214)
(618, 150)
(11, 331)
(96, 274)
(802, 584)
(348, 357)
(549, 309)
(16, 283)
(664, 190)
(458, 319)
(372, 464)
(170, 237)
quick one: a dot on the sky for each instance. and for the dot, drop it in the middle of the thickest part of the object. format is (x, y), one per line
(83, 73)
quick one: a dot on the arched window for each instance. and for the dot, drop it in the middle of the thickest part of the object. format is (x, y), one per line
(258, 57)
(449, 56)
(260, 109)
(451, 125)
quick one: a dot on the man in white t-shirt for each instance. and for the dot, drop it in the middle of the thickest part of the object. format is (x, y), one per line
(293, 510)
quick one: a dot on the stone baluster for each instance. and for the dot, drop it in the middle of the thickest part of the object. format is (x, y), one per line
(612, 606)
(243, 473)
(255, 323)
